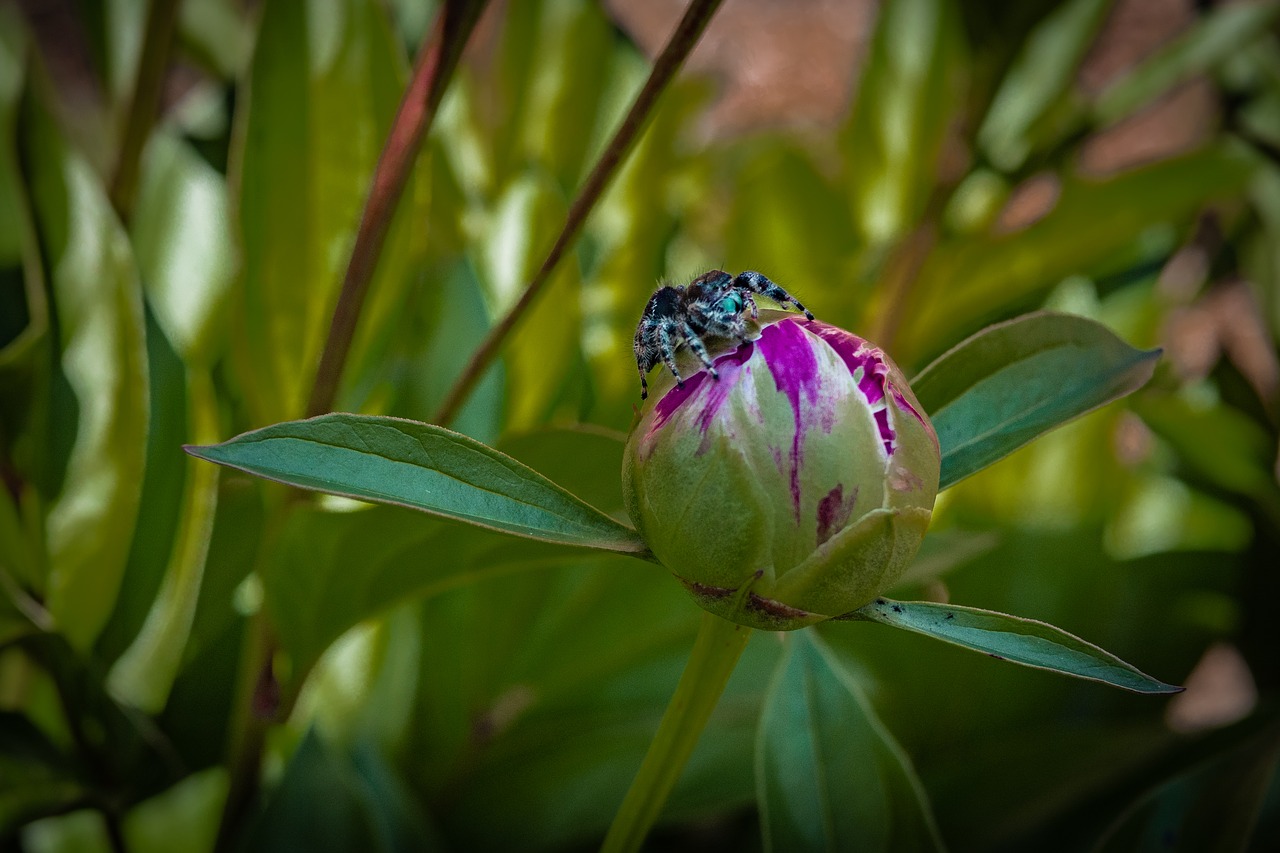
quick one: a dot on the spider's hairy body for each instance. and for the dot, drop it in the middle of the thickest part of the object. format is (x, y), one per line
(713, 305)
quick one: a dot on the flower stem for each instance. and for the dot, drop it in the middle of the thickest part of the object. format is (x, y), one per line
(681, 43)
(715, 654)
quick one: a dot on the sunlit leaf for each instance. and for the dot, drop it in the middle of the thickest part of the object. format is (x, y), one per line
(909, 87)
(324, 84)
(182, 236)
(98, 302)
(421, 466)
(189, 810)
(1004, 386)
(145, 672)
(544, 351)
(1011, 638)
(787, 220)
(183, 239)
(829, 775)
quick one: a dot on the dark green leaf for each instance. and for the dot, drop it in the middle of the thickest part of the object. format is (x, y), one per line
(1017, 380)
(553, 695)
(829, 776)
(1213, 807)
(421, 466)
(1011, 638)
(364, 806)
(38, 778)
(450, 322)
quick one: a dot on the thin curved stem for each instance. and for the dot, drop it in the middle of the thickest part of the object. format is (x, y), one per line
(433, 69)
(715, 654)
(681, 43)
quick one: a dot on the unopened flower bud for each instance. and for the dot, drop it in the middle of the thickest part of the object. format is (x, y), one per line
(794, 488)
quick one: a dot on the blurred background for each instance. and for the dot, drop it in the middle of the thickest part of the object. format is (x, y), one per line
(180, 186)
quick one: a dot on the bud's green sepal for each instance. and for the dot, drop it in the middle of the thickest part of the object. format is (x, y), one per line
(794, 488)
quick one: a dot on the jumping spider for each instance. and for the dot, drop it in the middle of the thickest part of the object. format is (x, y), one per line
(710, 306)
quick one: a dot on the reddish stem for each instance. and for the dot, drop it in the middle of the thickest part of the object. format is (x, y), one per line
(665, 67)
(433, 68)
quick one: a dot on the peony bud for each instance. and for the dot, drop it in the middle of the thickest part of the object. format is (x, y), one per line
(794, 488)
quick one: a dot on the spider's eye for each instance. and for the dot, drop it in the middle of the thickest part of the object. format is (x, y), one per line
(731, 304)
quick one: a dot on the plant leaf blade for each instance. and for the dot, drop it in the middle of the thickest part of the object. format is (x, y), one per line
(1012, 638)
(425, 467)
(1014, 381)
(829, 776)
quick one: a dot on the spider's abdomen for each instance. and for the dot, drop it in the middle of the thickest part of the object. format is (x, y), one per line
(665, 302)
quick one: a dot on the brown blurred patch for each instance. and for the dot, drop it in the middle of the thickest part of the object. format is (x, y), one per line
(1220, 691)
(1030, 202)
(1228, 322)
(779, 63)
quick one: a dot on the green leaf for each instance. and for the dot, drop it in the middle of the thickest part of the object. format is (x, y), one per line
(324, 85)
(1044, 70)
(100, 411)
(39, 779)
(448, 325)
(181, 233)
(543, 352)
(1014, 381)
(1213, 807)
(908, 91)
(365, 806)
(421, 466)
(1220, 443)
(945, 550)
(829, 775)
(144, 674)
(189, 810)
(551, 696)
(1095, 226)
(1217, 37)
(1011, 638)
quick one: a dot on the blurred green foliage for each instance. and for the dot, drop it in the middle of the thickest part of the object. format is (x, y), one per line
(450, 689)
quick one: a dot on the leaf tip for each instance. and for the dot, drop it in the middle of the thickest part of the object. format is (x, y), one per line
(199, 451)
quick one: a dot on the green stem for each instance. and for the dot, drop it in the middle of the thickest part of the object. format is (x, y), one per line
(144, 106)
(715, 654)
(681, 43)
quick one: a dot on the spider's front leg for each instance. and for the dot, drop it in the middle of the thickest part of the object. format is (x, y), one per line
(668, 348)
(757, 283)
(699, 348)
